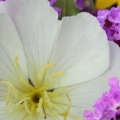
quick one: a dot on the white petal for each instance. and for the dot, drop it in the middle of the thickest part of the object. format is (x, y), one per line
(37, 25)
(3, 92)
(85, 95)
(12, 113)
(10, 48)
(78, 44)
(6, 114)
(3, 8)
(81, 51)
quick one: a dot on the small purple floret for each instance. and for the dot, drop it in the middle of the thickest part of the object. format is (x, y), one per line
(110, 22)
(108, 106)
(114, 15)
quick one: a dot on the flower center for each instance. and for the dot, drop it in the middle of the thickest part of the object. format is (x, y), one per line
(36, 98)
(41, 99)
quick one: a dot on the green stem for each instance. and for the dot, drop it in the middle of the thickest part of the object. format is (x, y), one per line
(64, 8)
(92, 5)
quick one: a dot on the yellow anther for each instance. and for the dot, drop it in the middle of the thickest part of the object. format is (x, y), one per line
(58, 74)
(16, 61)
(44, 69)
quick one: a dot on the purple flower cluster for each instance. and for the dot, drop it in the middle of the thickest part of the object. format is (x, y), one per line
(107, 107)
(110, 22)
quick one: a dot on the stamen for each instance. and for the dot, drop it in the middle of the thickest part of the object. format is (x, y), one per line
(58, 74)
(70, 103)
(40, 108)
(26, 94)
(44, 69)
(23, 100)
(10, 86)
(25, 104)
(7, 83)
(22, 78)
(39, 98)
(26, 108)
(33, 108)
(66, 113)
(47, 99)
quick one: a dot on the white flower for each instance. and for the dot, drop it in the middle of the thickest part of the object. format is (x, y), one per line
(46, 65)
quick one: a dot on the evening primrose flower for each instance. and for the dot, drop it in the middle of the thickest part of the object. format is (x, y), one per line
(47, 66)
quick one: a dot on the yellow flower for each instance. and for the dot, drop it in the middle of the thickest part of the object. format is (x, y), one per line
(102, 4)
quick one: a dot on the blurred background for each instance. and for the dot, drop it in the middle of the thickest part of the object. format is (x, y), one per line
(107, 13)
(73, 7)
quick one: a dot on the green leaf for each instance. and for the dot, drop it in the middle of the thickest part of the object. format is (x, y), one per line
(68, 7)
